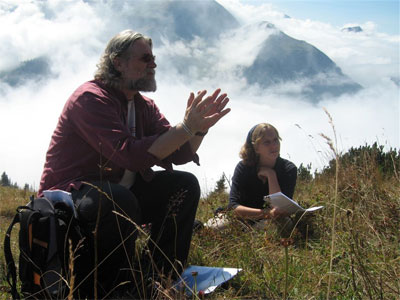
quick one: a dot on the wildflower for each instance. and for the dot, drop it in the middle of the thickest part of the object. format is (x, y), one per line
(286, 242)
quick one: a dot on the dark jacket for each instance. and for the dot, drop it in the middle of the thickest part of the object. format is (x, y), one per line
(248, 190)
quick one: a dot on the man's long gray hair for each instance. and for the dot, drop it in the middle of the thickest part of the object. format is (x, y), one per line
(116, 47)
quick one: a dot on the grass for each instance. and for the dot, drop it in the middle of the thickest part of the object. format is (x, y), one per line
(10, 199)
(363, 264)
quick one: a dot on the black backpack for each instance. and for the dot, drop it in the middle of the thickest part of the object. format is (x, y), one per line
(46, 233)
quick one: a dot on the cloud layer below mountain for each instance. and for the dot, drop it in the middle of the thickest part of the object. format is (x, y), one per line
(72, 35)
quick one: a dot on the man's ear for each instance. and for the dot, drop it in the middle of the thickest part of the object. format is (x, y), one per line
(117, 62)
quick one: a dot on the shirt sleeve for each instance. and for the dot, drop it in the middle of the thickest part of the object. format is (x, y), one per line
(158, 124)
(97, 121)
(288, 182)
(236, 187)
(183, 155)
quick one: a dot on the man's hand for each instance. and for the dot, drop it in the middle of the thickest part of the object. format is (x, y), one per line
(201, 114)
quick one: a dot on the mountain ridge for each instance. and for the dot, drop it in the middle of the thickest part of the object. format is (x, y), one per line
(280, 59)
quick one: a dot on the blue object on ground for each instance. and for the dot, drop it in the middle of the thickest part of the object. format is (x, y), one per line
(205, 279)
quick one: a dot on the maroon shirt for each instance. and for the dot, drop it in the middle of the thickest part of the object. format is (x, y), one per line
(92, 131)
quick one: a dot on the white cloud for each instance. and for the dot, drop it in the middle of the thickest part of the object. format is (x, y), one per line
(365, 56)
(73, 34)
(58, 29)
(357, 119)
(245, 12)
(240, 47)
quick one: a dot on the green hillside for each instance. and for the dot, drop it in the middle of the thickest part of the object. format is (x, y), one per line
(351, 250)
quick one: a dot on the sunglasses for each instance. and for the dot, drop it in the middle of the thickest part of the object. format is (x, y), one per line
(147, 58)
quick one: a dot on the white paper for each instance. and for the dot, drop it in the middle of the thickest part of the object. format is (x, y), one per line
(283, 202)
(313, 208)
(206, 280)
(60, 196)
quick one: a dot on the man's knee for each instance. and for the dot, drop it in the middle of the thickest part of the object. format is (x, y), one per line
(186, 194)
(108, 197)
(191, 184)
(125, 202)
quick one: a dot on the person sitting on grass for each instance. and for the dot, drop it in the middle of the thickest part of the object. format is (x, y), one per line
(260, 172)
(107, 139)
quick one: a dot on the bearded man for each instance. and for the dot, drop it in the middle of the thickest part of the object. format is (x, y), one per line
(106, 141)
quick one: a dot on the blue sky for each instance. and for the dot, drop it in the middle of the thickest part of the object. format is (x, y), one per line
(385, 14)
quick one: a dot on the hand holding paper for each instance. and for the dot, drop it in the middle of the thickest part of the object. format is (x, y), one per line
(284, 203)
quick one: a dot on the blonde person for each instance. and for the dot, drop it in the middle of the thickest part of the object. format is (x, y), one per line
(260, 172)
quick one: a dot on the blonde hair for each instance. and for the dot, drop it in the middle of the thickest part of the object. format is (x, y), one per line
(117, 47)
(247, 152)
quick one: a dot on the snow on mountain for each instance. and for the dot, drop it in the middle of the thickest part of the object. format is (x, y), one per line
(189, 35)
(283, 58)
(352, 29)
(37, 69)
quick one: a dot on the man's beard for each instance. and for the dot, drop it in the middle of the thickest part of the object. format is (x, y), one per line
(143, 85)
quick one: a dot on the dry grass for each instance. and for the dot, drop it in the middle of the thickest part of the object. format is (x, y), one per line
(363, 264)
(360, 258)
(11, 198)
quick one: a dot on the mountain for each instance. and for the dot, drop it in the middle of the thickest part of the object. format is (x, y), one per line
(171, 20)
(206, 19)
(199, 30)
(395, 80)
(283, 59)
(37, 69)
(352, 29)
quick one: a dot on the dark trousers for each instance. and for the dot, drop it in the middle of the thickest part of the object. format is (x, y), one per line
(168, 202)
